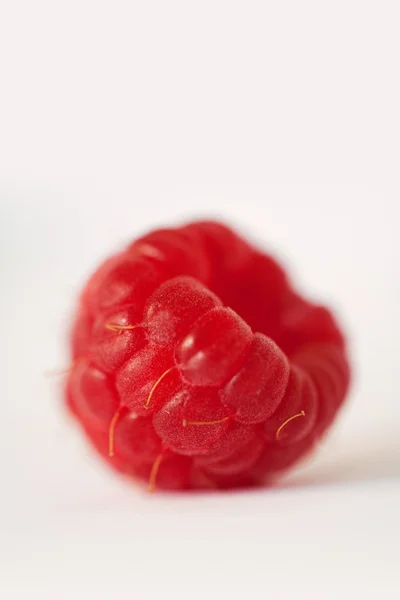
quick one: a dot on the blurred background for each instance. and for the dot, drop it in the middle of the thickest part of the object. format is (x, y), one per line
(281, 119)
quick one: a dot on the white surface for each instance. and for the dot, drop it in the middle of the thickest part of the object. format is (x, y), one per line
(118, 117)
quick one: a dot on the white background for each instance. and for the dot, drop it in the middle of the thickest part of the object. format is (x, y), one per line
(281, 118)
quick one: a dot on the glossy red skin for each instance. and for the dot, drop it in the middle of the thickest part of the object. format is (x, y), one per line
(194, 353)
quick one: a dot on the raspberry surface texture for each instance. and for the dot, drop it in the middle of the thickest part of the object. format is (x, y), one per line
(195, 364)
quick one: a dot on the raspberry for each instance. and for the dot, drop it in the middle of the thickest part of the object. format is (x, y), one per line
(196, 364)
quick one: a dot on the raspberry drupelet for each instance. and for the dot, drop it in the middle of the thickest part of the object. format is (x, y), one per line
(197, 365)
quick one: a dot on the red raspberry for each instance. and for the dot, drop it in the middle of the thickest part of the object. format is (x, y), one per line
(195, 363)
